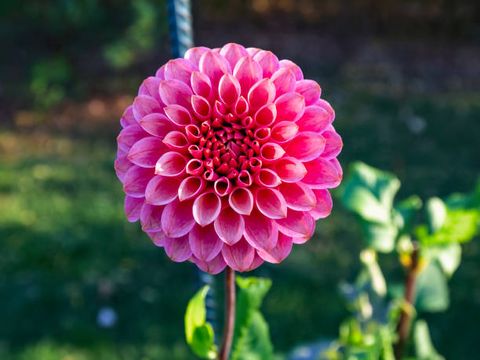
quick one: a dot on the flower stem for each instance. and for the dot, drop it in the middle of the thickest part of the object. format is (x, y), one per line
(229, 323)
(403, 328)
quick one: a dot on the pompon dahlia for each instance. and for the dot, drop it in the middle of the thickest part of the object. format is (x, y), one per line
(226, 157)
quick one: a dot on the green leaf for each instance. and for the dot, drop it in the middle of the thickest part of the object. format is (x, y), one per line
(436, 214)
(198, 333)
(448, 256)
(424, 348)
(252, 337)
(380, 237)
(407, 210)
(432, 290)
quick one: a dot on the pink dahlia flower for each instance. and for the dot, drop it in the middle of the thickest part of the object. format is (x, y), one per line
(226, 157)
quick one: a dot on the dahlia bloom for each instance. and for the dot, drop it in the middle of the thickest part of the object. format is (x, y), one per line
(226, 157)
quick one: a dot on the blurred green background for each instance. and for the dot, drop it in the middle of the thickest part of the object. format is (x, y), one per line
(78, 282)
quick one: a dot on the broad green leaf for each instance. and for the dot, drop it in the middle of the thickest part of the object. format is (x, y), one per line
(363, 203)
(436, 214)
(407, 210)
(380, 237)
(198, 333)
(424, 348)
(255, 343)
(448, 256)
(432, 290)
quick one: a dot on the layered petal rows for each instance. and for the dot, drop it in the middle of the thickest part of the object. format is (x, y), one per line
(226, 157)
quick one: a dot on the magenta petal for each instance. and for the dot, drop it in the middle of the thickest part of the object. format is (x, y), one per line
(248, 72)
(190, 187)
(179, 69)
(267, 178)
(324, 204)
(133, 207)
(206, 208)
(177, 218)
(288, 64)
(297, 224)
(177, 249)
(122, 165)
(261, 94)
(160, 73)
(127, 117)
(267, 61)
(201, 107)
(171, 164)
(222, 186)
(260, 231)
(290, 106)
(157, 237)
(298, 196)
(144, 105)
(323, 174)
(214, 66)
(201, 84)
(161, 190)
(238, 256)
(204, 242)
(306, 146)
(257, 261)
(279, 252)
(229, 226)
(157, 125)
(194, 54)
(315, 118)
(271, 203)
(146, 152)
(149, 87)
(309, 89)
(136, 180)
(271, 151)
(175, 92)
(229, 89)
(290, 170)
(241, 200)
(176, 140)
(150, 217)
(284, 131)
(214, 266)
(129, 136)
(266, 115)
(333, 144)
(178, 115)
(284, 81)
(233, 52)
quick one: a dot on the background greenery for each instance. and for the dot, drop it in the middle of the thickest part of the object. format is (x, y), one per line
(404, 79)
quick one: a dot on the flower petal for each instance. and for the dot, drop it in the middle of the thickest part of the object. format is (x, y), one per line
(214, 266)
(290, 106)
(288, 64)
(297, 224)
(201, 107)
(298, 196)
(324, 204)
(306, 146)
(204, 242)
(179, 69)
(279, 252)
(161, 190)
(261, 94)
(201, 84)
(177, 249)
(214, 66)
(206, 208)
(268, 61)
(144, 105)
(150, 217)
(136, 180)
(260, 231)
(233, 52)
(241, 200)
(229, 89)
(133, 207)
(194, 54)
(156, 124)
(178, 115)
(176, 140)
(333, 144)
(146, 152)
(149, 87)
(310, 90)
(315, 118)
(323, 174)
(190, 187)
(177, 218)
(290, 170)
(266, 115)
(127, 117)
(284, 131)
(271, 151)
(175, 92)
(248, 72)
(229, 226)
(271, 203)
(129, 136)
(238, 256)
(171, 164)
(284, 81)
(267, 178)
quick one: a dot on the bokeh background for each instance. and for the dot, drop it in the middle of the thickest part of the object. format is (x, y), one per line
(78, 282)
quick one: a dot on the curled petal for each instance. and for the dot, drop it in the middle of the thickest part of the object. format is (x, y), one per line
(284, 81)
(233, 52)
(201, 107)
(149, 87)
(136, 180)
(267, 178)
(288, 64)
(161, 190)
(144, 105)
(279, 252)
(214, 266)
(262, 134)
(179, 69)
(306, 146)
(150, 217)
(175, 92)
(324, 204)
(204, 242)
(206, 208)
(248, 72)
(271, 151)
(195, 167)
(284, 131)
(290, 170)
(178, 115)
(133, 207)
(266, 115)
(315, 118)
(244, 179)
(177, 219)
(268, 61)
(271, 203)
(175, 140)
(333, 144)
(260, 231)
(238, 256)
(146, 152)
(298, 224)
(229, 226)
(129, 136)
(201, 84)
(241, 108)
(171, 164)
(177, 249)
(290, 106)
(261, 94)
(323, 174)
(127, 117)
(193, 133)
(229, 89)
(298, 196)
(309, 89)
(222, 186)
(194, 54)
(214, 66)
(190, 187)
(241, 200)
(156, 124)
